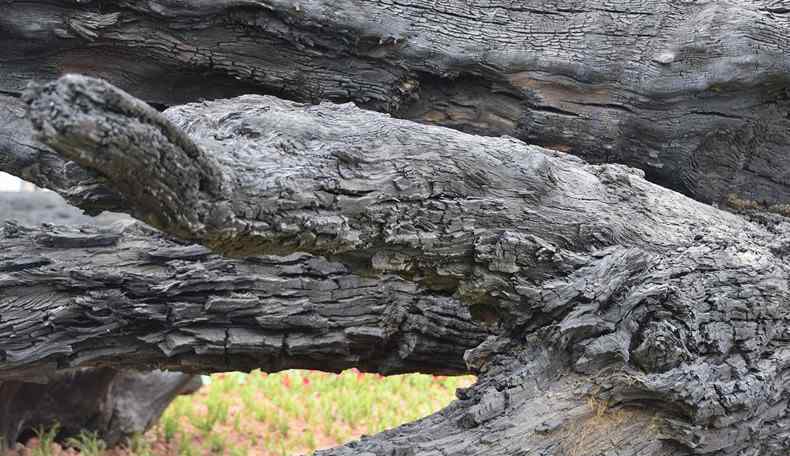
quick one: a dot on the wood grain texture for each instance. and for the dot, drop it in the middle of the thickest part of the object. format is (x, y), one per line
(628, 318)
(693, 93)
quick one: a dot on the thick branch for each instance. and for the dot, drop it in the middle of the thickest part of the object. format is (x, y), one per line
(527, 404)
(693, 93)
(134, 144)
(89, 298)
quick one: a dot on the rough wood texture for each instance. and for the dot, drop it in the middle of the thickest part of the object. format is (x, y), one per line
(94, 298)
(24, 156)
(636, 321)
(115, 404)
(694, 93)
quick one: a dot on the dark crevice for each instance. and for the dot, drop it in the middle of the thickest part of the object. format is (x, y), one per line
(10, 94)
(553, 110)
(613, 106)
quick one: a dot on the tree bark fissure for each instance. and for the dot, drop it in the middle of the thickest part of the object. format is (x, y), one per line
(693, 93)
(603, 287)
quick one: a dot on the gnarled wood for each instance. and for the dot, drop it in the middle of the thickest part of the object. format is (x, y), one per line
(694, 93)
(608, 289)
(24, 156)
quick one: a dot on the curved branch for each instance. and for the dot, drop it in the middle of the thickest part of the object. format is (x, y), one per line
(132, 144)
(22, 155)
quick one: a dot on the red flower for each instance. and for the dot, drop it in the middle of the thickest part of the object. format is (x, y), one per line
(305, 381)
(286, 381)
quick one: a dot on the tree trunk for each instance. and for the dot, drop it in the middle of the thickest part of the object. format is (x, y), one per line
(115, 404)
(625, 318)
(693, 93)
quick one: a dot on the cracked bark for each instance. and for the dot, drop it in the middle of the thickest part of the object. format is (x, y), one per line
(127, 298)
(629, 319)
(115, 404)
(77, 305)
(694, 93)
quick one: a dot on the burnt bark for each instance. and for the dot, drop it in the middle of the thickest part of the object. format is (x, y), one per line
(115, 404)
(693, 93)
(74, 298)
(627, 319)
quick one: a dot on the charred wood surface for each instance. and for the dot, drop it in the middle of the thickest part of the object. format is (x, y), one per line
(628, 318)
(693, 93)
(126, 297)
(115, 404)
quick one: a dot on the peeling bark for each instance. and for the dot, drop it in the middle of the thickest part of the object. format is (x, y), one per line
(631, 320)
(694, 93)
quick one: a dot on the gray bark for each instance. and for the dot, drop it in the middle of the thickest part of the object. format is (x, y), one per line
(628, 319)
(75, 298)
(113, 403)
(694, 93)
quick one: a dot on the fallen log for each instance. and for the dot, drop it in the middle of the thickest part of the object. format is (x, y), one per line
(631, 319)
(693, 93)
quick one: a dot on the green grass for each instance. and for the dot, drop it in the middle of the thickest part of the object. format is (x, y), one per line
(296, 412)
(88, 444)
(46, 437)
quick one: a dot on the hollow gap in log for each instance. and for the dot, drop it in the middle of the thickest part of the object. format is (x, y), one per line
(304, 410)
(291, 412)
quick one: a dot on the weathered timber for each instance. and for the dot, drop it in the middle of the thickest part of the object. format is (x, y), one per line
(636, 321)
(113, 403)
(129, 298)
(694, 93)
